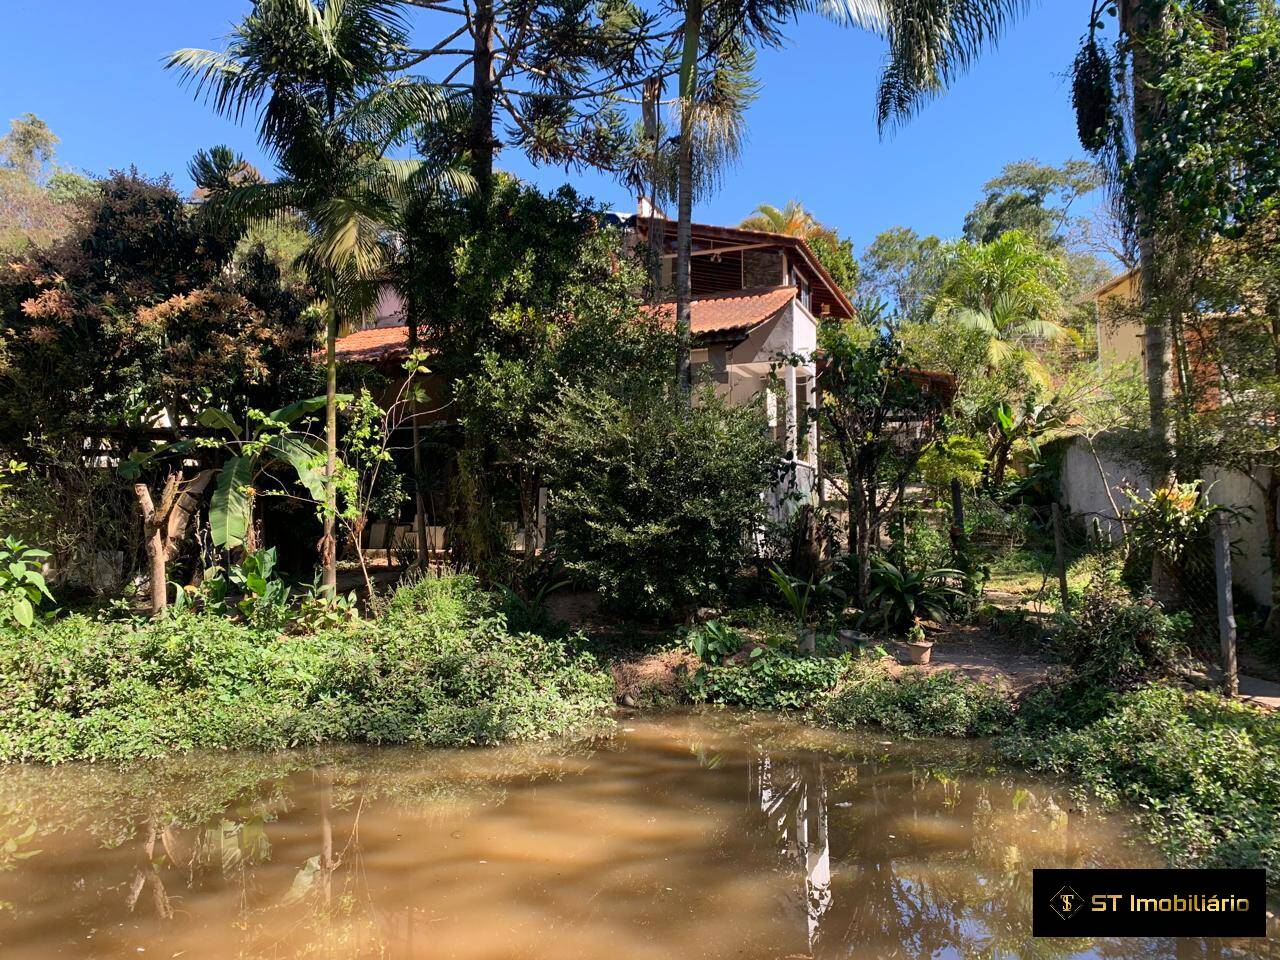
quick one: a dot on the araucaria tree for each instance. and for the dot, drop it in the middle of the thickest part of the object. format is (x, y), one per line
(879, 416)
(319, 74)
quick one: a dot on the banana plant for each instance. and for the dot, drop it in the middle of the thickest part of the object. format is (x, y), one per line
(264, 441)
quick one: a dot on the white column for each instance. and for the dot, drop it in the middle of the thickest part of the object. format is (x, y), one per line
(791, 408)
(812, 397)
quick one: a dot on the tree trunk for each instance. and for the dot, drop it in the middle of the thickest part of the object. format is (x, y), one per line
(1140, 20)
(684, 249)
(328, 543)
(151, 525)
(165, 525)
(419, 504)
(357, 538)
(1002, 463)
(859, 538)
(684, 192)
(481, 142)
(657, 225)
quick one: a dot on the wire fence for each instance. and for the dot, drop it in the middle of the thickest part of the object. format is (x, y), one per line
(1018, 548)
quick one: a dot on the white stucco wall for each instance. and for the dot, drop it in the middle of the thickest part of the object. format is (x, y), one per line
(1083, 494)
(1251, 566)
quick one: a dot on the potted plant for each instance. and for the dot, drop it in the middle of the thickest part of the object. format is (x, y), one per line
(804, 598)
(919, 647)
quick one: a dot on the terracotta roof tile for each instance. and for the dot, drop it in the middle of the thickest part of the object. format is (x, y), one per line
(717, 313)
(370, 346)
(725, 312)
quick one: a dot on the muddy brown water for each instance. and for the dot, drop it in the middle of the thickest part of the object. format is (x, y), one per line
(701, 835)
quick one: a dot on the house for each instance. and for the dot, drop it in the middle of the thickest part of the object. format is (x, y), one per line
(1122, 338)
(1120, 335)
(756, 296)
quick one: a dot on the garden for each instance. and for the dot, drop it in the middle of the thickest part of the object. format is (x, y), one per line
(543, 525)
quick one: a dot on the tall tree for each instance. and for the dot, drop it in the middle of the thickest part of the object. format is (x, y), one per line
(902, 268)
(319, 76)
(1034, 198)
(1009, 289)
(37, 198)
(548, 77)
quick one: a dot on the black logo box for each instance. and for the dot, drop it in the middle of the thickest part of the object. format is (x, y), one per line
(1101, 903)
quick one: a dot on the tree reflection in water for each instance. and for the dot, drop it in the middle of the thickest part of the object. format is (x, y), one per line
(925, 862)
(851, 847)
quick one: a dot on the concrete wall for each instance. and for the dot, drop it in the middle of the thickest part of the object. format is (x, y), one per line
(1251, 567)
(1083, 494)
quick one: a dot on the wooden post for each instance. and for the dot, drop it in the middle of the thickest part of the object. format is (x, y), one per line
(1060, 555)
(957, 516)
(1226, 607)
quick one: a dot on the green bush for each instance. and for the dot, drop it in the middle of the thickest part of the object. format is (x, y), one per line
(438, 667)
(653, 503)
(771, 680)
(1204, 772)
(938, 703)
(1117, 642)
(22, 586)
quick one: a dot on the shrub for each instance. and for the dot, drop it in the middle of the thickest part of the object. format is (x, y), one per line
(653, 503)
(1204, 772)
(902, 596)
(22, 586)
(1115, 641)
(938, 703)
(770, 680)
(439, 667)
(714, 641)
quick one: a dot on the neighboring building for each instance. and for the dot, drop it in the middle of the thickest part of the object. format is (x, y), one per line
(1121, 339)
(756, 296)
(1120, 335)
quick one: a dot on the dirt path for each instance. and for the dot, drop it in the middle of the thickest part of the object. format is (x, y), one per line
(972, 650)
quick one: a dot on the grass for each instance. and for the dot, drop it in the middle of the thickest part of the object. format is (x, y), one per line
(438, 667)
(1202, 772)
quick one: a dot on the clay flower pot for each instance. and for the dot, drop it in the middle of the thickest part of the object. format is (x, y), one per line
(919, 651)
(807, 640)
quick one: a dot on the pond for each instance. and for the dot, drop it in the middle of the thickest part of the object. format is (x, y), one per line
(696, 835)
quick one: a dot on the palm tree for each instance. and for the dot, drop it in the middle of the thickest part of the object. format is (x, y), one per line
(1008, 289)
(317, 74)
(1119, 111)
(711, 106)
(791, 219)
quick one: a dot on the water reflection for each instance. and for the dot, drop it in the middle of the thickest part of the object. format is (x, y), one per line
(689, 836)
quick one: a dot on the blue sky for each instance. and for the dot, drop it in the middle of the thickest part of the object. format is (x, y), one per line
(93, 71)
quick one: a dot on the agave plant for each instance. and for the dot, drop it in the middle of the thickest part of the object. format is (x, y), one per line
(805, 597)
(901, 597)
(528, 612)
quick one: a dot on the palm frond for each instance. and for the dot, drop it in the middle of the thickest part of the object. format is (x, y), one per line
(931, 43)
(388, 116)
(862, 14)
(977, 320)
(1041, 329)
(216, 77)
